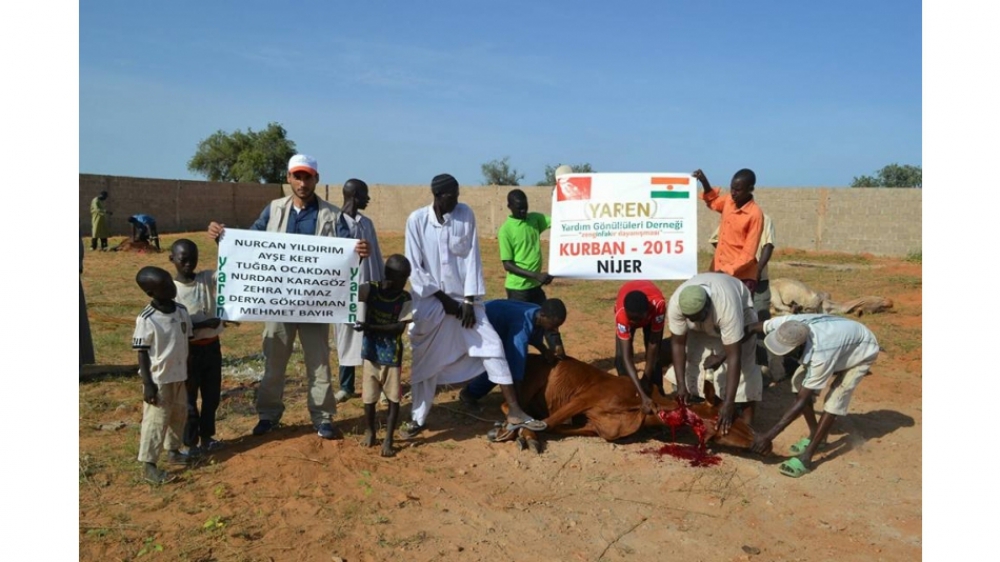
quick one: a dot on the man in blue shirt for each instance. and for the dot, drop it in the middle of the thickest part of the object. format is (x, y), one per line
(144, 229)
(519, 325)
(302, 212)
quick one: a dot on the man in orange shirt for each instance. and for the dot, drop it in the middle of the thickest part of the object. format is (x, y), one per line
(740, 228)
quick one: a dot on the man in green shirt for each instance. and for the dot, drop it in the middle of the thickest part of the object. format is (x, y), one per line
(521, 250)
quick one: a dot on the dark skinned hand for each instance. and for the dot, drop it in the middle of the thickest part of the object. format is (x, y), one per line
(468, 315)
(452, 307)
(761, 445)
(713, 361)
(149, 394)
(726, 414)
(648, 406)
(681, 396)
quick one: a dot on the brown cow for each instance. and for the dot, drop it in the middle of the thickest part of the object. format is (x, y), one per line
(578, 399)
(141, 246)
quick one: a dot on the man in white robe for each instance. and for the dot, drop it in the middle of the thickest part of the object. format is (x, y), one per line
(450, 337)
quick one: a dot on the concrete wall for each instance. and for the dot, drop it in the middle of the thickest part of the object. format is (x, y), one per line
(876, 221)
(177, 205)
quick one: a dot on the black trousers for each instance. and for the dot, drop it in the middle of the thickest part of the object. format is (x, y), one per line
(536, 295)
(205, 377)
(654, 377)
(93, 243)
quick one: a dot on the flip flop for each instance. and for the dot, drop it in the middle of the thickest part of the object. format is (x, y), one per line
(799, 446)
(530, 423)
(500, 433)
(793, 468)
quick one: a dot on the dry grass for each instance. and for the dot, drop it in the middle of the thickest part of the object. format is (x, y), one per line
(114, 499)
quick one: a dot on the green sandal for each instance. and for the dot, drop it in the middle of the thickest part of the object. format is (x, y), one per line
(800, 446)
(793, 468)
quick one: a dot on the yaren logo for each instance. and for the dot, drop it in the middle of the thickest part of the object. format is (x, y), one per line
(570, 188)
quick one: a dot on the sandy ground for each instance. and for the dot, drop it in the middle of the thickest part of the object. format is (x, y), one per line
(453, 495)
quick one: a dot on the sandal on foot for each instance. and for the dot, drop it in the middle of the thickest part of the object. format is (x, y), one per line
(409, 430)
(500, 433)
(530, 423)
(793, 468)
(800, 446)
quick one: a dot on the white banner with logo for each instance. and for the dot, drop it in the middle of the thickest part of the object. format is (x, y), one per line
(278, 277)
(624, 226)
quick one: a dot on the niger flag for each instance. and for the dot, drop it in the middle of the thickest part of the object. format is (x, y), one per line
(670, 187)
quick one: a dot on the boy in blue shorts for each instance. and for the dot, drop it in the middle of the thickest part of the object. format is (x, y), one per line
(388, 309)
(161, 337)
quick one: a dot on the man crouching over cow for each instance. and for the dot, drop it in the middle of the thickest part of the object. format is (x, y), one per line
(520, 325)
(640, 304)
(706, 316)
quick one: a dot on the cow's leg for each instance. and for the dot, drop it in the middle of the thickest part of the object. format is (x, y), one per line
(562, 414)
(529, 439)
(569, 430)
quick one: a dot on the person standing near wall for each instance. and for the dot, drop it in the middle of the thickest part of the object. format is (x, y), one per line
(521, 250)
(352, 224)
(451, 338)
(740, 228)
(762, 292)
(99, 222)
(302, 212)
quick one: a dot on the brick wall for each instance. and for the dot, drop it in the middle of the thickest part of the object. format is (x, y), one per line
(177, 205)
(876, 221)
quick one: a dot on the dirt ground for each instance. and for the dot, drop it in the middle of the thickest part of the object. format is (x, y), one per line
(452, 495)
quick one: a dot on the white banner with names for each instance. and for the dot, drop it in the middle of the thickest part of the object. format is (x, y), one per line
(279, 277)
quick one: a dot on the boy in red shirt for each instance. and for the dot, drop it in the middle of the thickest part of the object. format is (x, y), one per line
(640, 304)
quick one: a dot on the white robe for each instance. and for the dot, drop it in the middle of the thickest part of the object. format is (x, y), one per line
(446, 257)
(347, 340)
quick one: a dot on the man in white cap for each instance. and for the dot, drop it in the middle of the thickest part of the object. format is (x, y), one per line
(706, 316)
(832, 350)
(302, 212)
(451, 337)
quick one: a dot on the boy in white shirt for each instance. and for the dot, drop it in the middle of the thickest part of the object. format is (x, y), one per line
(196, 291)
(161, 338)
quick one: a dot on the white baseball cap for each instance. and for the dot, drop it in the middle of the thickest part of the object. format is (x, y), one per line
(303, 163)
(787, 337)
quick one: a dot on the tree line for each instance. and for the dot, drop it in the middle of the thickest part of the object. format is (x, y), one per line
(262, 157)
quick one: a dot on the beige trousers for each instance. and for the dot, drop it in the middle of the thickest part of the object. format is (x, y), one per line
(278, 340)
(163, 423)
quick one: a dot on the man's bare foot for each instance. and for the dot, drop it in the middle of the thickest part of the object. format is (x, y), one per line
(369, 439)
(387, 450)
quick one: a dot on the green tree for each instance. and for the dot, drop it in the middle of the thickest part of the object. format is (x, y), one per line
(499, 172)
(892, 175)
(253, 156)
(550, 172)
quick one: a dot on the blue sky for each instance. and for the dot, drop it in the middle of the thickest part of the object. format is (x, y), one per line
(806, 94)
